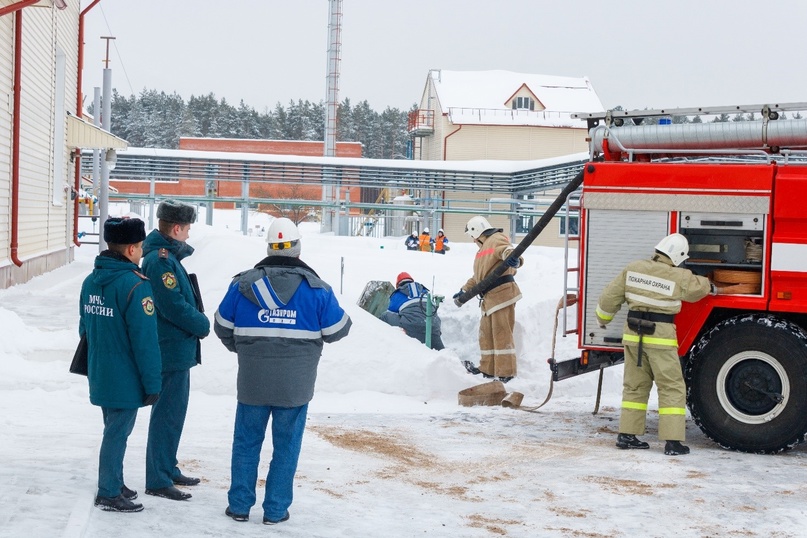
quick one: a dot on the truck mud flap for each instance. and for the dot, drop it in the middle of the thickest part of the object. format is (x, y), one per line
(590, 361)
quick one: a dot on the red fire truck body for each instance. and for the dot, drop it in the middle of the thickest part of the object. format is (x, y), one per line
(744, 351)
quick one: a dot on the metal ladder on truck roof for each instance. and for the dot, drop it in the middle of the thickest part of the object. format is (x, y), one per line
(617, 117)
(619, 135)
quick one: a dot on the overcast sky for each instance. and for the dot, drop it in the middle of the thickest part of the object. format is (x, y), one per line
(637, 53)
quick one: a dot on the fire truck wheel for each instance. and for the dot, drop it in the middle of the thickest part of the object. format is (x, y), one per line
(747, 384)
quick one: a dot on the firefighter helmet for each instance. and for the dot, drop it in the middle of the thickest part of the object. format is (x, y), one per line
(282, 230)
(674, 246)
(403, 278)
(476, 226)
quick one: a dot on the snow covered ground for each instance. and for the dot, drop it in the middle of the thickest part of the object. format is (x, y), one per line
(387, 451)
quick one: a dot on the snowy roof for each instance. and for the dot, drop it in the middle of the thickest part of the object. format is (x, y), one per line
(480, 166)
(481, 97)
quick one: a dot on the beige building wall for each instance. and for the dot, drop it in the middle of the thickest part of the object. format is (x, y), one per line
(6, 55)
(492, 142)
(506, 142)
(48, 92)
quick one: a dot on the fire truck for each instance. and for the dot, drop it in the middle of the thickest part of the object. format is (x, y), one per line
(738, 191)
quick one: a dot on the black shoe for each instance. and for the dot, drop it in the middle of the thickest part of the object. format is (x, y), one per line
(169, 493)
(236, 517)
(472, 369)
(182, 480)
(117, 504)
(505, 379)
(675, 448)
(267, 521)
(627, 440)
(128, 494)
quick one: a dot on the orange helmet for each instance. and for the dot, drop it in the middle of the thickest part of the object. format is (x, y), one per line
(404, 278)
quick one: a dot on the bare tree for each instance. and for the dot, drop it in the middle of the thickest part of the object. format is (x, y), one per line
(296, 210)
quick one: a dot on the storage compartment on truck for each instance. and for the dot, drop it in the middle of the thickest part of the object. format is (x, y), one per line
(726, 247)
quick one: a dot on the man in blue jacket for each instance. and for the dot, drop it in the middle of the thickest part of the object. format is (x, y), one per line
(181, 325)
(276, 317)
(123, 359)
(407, 310)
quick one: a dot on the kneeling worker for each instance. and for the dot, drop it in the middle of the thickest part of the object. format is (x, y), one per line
(407, 310)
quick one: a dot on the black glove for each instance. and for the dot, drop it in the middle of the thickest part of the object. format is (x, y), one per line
(151, 399)
(513, 262)
(457, 296)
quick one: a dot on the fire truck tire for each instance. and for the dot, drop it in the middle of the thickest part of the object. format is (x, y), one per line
(747, 384)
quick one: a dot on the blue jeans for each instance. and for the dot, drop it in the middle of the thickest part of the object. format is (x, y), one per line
(165, 429)
(288, 424)
(118, 424)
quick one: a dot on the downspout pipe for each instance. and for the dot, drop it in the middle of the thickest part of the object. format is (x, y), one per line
(80, 115)
(445, 141)
(15, 134)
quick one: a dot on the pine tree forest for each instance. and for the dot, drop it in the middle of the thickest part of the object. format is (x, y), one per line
(157, 120)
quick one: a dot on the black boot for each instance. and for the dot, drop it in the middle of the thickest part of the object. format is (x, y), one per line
(117, 504)
(182, 480)
(236, 517)
(505, 379)
(472, 369)
(675, 448)
(128, 494)
(169, 493)
(627, 440)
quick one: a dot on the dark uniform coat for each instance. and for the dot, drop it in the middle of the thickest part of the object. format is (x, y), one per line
(117, 315)
(179, 322)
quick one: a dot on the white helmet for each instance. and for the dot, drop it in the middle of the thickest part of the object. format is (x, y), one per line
(282, 230)
(674, 246)
(476, 226)
(426, 231)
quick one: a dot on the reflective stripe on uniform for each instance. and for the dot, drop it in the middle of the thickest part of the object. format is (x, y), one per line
(672, 411)
(663, 303)
(602, 314)
(634, 339)
(634, 405)
(498, 352)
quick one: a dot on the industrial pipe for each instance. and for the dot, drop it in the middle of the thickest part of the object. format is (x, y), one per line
(703, 136)
(16, 7)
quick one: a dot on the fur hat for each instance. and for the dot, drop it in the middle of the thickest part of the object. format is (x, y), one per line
(124, 231)
(176, 212)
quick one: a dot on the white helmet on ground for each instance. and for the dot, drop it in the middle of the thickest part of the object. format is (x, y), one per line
(674, 246)
(476, 226)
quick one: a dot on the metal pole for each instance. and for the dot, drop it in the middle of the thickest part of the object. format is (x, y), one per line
(245, 203)
(330, 188)
(96, 153)
(106, 122)
(428, 320)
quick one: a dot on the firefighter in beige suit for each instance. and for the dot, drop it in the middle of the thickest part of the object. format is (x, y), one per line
(654, 290)
(498, 304)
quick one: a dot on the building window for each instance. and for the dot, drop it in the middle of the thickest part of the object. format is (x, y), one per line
(524, 224)
(523, 103)
(574, 225)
